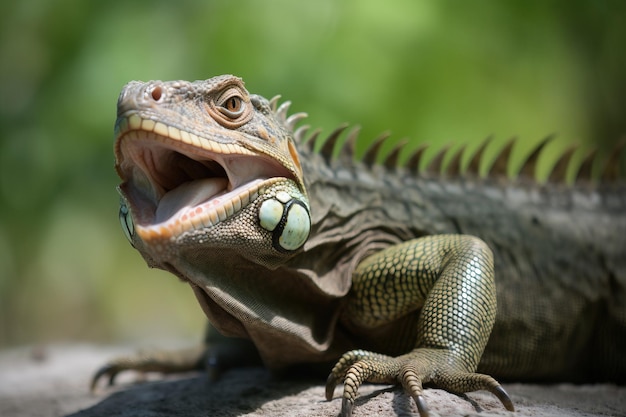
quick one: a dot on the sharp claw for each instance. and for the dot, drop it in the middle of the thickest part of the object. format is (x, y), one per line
(109, 370)
(331, 383)
(503, 396)
(421, 406)
(112, 378)
(346, 408)
(356, 367)
(94, 382)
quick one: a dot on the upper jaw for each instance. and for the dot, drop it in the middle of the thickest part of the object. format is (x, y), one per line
(175, 181)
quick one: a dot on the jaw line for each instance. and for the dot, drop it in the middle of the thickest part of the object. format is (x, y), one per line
(152, 165)
(205, 215)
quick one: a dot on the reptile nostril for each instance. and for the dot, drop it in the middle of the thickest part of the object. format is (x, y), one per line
(157, 93)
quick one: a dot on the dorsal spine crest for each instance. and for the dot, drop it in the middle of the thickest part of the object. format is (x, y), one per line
(331, 149)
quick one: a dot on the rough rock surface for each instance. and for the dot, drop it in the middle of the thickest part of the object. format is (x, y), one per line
(54, 382)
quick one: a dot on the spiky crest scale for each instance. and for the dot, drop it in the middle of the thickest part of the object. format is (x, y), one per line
(585, 171)
(312, 141)
(473, 167)
(282, 110)
(346, 152)
(299, 134)
(331, 141)
(454, 166)
(391, 160)
(293, 120)
(371, 155)
(559, 170)
(499, 168)
(501, 164)
(413, 163)
(274, 102)
(529, 167)
(611, 167)
(434, 166)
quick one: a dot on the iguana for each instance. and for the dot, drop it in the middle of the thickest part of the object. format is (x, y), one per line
(394, 275)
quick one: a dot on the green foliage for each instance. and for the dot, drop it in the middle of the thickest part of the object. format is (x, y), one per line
(435, 71)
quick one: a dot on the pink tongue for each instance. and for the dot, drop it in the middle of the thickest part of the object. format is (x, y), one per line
(188, 195)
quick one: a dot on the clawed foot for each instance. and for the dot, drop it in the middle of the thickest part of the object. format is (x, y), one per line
(418, 367)
(215, 356)
(183, 360)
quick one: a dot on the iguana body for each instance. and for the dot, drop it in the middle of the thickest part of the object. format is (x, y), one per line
(312, 256)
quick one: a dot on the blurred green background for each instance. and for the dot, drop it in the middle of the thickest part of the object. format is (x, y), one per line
(437, 71)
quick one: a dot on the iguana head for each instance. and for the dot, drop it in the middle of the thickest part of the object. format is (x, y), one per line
(208, 170)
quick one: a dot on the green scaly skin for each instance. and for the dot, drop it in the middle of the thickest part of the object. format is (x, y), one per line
(311, 256)
(450, 278)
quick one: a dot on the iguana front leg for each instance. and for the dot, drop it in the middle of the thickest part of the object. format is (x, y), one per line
(450, 279)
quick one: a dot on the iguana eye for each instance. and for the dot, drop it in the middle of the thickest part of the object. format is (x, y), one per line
(231, 109)
(233, 105)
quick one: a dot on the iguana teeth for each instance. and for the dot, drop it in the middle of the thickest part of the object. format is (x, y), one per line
(213, 219)
(161, 129)
(147, 125)
(221, 213)
(251, 197)
(199, 222)
(228, 208)
(185, 137)
(134, 122)
(195, 140)
(174, 133)
(237, 203)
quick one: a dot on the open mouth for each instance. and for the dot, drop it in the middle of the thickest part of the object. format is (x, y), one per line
(177, 182)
